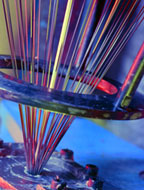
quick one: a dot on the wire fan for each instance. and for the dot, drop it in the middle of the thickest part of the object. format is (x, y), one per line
(67, 45)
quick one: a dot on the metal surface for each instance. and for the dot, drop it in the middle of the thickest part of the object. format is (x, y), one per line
(132, 80)
(119, 166)
(13, 170)
(98, 105)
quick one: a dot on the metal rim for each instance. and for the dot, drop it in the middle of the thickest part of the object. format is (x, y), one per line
(91, 106)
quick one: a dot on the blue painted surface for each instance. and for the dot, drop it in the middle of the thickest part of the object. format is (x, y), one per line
(4, 133)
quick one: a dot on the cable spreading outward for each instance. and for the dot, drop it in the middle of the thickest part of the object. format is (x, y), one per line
(86, 42)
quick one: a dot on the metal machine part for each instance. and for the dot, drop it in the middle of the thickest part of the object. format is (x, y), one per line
(109, 102)
(98, 105)
(60, 173)
(114, 100)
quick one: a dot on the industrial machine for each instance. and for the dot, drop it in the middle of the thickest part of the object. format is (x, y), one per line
(65, 63)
